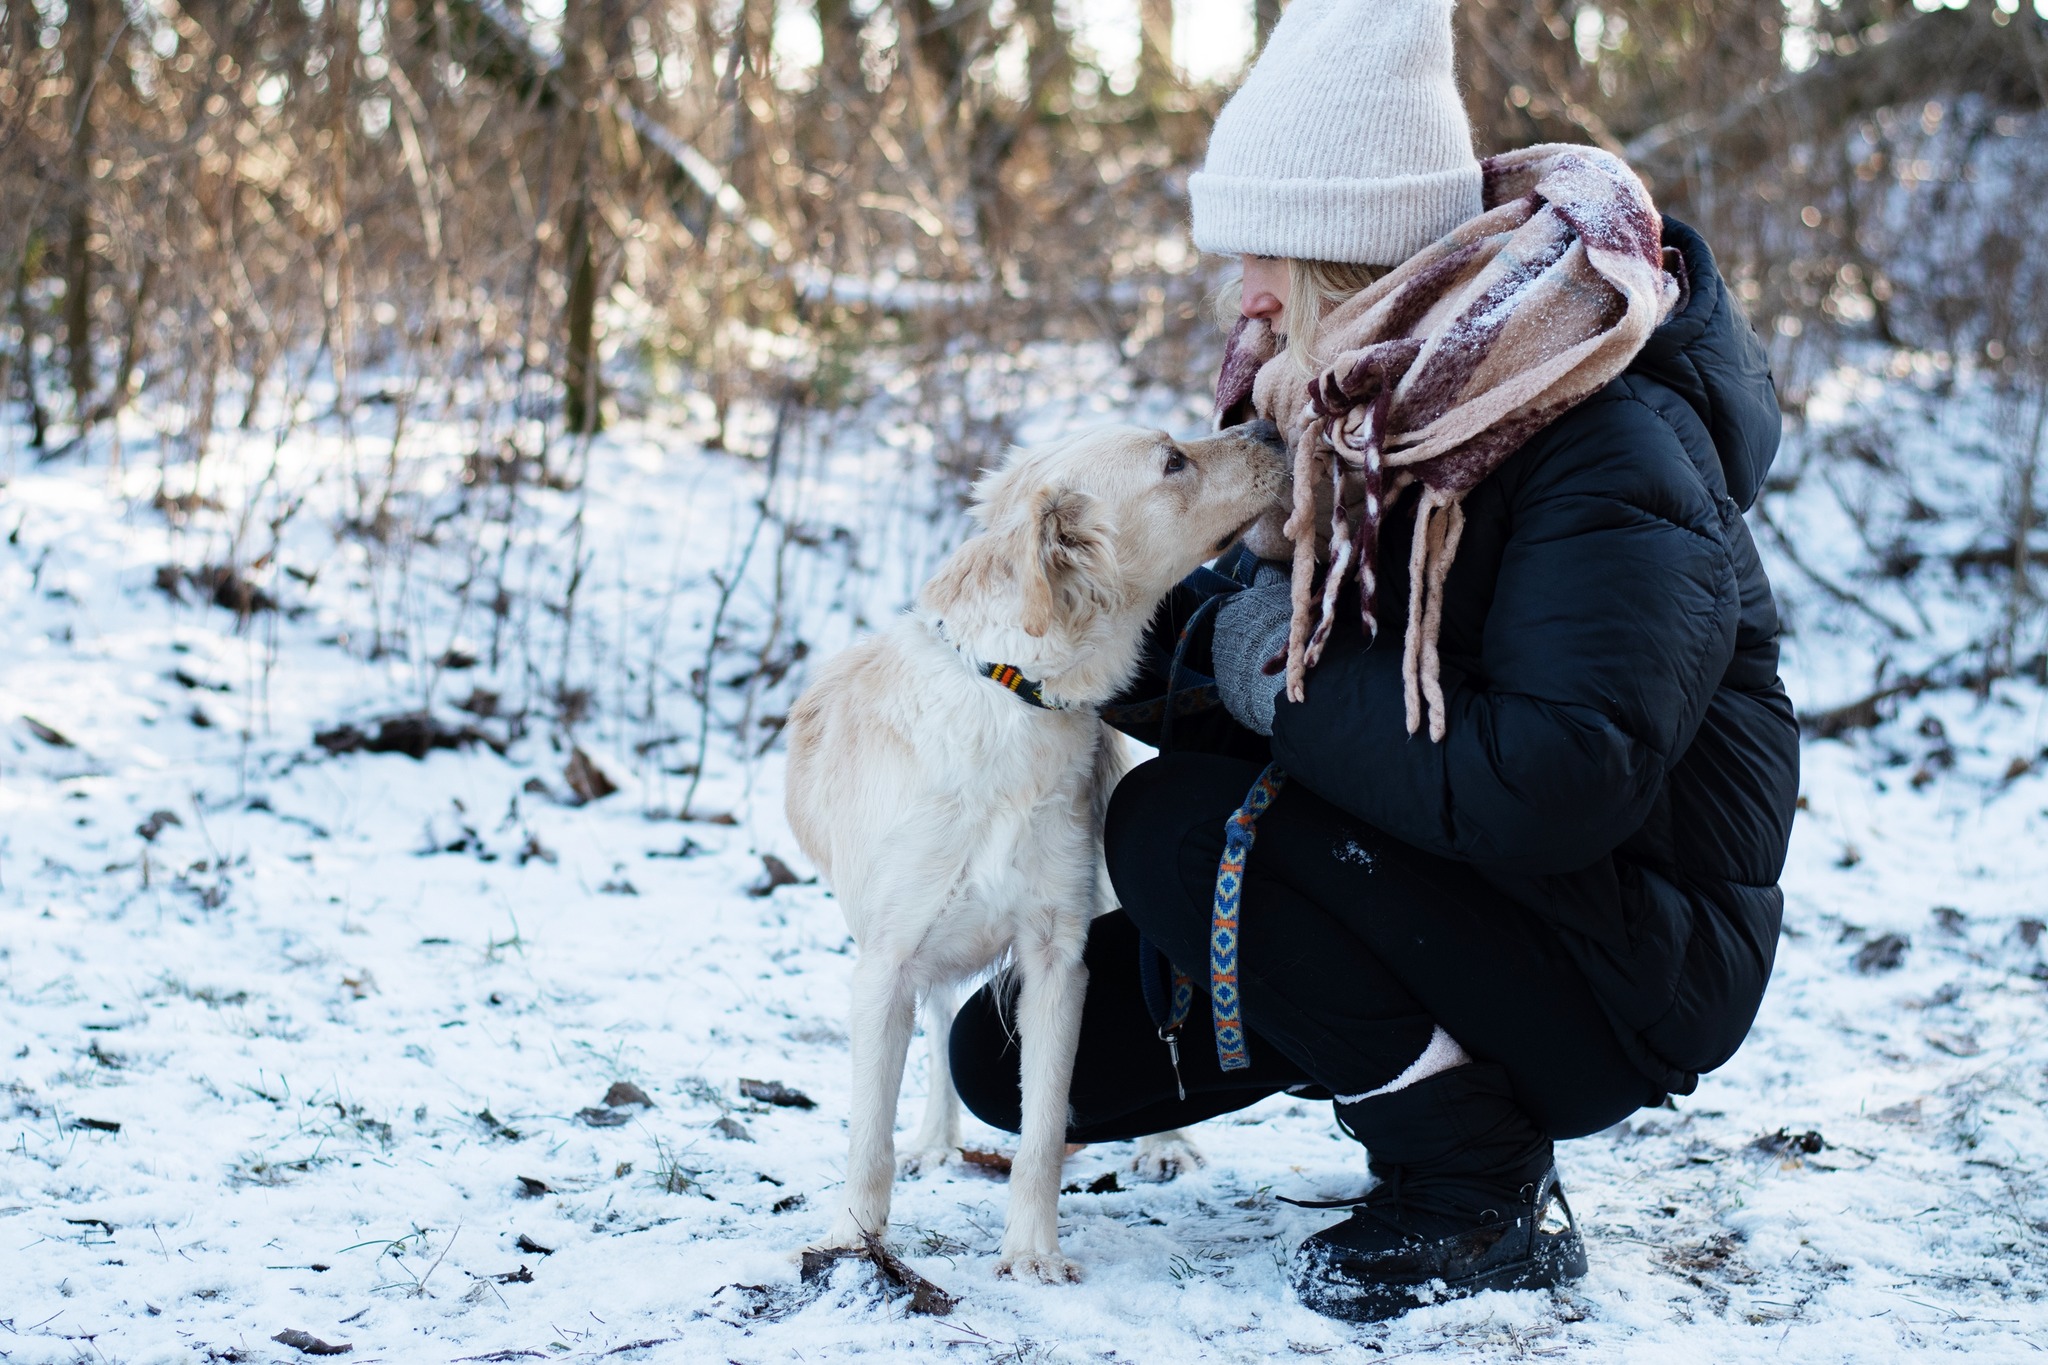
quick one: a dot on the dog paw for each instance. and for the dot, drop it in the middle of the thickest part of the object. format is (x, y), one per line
(846, 1235)
(1044, 1267)
(1165, 1156)
(923, 1161)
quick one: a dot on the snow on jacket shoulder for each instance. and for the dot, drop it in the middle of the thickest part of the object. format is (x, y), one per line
(1620, 754)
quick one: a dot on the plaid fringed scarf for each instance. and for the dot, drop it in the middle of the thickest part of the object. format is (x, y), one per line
(1442, 369)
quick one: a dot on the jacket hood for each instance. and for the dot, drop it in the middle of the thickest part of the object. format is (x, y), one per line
(1709, 355)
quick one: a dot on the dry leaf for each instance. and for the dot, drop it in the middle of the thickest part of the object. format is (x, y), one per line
(624, 1093)
(925, 1297)
(775, 1092)
(776, 873)
(586, 779)
(56, 739)
(995, 1163)
(310, 1344)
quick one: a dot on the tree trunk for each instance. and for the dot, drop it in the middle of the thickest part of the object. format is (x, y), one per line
(835, 113)
(1265, 14)
(580, 376)
(82, 57)
(839, 70)
(946, 43)
(1050, 65)
(1156, 72)
(583, 61)
(747, 64)
(927, 31)
(24, 316)
(2023, 527)
(131, 348)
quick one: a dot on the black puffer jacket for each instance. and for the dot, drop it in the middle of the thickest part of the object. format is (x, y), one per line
(1621, 756)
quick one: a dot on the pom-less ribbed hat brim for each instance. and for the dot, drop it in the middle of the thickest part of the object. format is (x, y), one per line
(1347, 141)
(1381, 221)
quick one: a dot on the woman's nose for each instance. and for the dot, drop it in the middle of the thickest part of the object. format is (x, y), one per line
(1264, 289)
(1260, 303)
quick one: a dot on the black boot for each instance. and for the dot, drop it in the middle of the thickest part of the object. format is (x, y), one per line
(1467, 1200)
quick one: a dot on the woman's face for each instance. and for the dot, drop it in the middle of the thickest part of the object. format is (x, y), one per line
(1265, 287)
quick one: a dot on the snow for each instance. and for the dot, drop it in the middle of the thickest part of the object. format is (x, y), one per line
(300, 997)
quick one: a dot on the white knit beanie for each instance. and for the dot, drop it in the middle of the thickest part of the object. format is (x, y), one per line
(1347, 142)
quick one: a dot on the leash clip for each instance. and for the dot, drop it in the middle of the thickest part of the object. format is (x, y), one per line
(1169, 1034)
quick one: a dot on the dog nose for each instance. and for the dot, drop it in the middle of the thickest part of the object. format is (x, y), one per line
(1264, 432)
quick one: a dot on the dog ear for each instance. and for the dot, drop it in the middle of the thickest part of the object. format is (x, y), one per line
(1066, 544)
(968, 575)
(974, 572)
(1056, 544)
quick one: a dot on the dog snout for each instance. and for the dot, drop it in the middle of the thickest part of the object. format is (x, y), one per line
(1263, 432)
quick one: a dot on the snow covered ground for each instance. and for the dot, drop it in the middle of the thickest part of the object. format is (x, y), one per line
(294, 1040)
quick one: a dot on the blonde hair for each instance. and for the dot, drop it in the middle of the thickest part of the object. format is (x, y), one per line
(1313, 289)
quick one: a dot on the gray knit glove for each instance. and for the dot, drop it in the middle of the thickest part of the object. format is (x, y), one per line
(1251, 627)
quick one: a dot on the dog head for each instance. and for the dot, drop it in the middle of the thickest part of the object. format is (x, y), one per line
(1094, 530)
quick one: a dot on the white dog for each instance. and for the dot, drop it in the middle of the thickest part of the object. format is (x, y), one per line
(949, 775)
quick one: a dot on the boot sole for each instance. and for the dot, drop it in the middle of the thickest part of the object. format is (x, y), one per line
(1555, 1261)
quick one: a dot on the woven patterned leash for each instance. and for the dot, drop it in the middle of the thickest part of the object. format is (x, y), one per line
(1237, 846)
(1224, 1003)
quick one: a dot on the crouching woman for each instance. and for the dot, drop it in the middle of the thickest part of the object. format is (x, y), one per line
(1501, 749)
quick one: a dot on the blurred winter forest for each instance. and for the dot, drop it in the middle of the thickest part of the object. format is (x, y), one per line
(537, 388)
(535, 219)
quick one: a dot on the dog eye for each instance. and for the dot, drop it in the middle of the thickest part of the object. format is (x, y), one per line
(1176, 460)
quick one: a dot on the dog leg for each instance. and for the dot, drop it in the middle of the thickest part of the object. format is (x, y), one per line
(884, 1010)
(938, 1137)
(1049, 1028)
(1163, 1156)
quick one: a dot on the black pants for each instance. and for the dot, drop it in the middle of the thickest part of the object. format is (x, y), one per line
(1352, 946)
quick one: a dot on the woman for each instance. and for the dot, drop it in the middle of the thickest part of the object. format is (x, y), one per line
(1520, 875)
